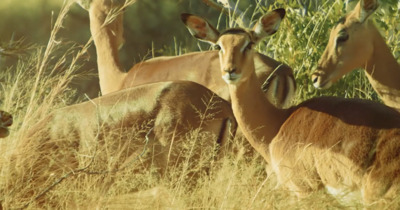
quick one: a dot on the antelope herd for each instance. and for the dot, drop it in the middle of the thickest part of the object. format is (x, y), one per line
(348, 147)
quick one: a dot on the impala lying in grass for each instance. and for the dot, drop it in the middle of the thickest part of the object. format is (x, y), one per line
(162, 126)
(199, 67)
(356, 43)
(6, 121)
(350, 147)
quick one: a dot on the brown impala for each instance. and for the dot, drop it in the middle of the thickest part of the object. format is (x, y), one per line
(356, 43)
(349, 147)
(152, 126)
(199, 67)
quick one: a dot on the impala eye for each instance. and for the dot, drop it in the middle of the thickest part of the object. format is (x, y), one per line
(249, 46)
(342, 37)
(217, 47)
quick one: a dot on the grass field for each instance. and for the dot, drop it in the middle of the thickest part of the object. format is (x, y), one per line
(39, 81)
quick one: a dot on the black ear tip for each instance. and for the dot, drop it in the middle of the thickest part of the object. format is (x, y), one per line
(185, 17)
(281, 12)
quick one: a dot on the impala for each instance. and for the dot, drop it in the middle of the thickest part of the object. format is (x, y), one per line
(153, 126)
(6, 121)
(199, 67)
(348, 146)
(356, 43)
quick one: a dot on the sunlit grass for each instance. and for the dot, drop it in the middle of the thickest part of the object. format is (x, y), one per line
(39, 83)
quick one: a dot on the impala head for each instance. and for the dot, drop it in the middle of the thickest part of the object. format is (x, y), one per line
(235, 44)
(6, 120)
(111, 10)
(85, 4)
(349, 47)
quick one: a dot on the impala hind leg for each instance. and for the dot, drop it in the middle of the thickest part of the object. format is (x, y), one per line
(381, 190)
(381, 184)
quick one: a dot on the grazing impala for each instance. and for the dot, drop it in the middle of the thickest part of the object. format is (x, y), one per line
(348, 146)
(6, 121)
(199, 67)
(152, 126)
(356, 43)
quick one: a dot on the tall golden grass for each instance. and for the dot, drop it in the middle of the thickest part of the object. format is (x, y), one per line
(39, 83)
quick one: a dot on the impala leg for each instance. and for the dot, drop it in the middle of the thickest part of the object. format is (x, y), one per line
(381, 189)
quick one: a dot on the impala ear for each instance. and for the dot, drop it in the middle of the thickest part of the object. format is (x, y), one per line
(200, 28)
(365, 8)
(269, 23)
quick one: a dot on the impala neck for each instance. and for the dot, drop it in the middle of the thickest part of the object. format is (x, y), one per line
(383, 71)
(107, 43)
(258, 119)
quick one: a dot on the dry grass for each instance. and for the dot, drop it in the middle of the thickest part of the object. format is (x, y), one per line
(39, 84)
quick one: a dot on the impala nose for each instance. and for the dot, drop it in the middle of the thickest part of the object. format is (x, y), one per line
(231, 73)
(230, 70)
(320, 80)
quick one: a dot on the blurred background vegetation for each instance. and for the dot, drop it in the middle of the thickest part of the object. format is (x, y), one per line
(153, 28)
